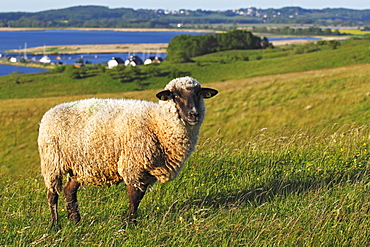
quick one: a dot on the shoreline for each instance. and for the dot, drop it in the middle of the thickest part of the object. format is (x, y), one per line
(29, 65)
(95, 49)
(133, 48)
(100, 48)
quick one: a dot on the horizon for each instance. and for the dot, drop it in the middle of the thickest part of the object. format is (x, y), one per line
(93, 5)
(217, 5)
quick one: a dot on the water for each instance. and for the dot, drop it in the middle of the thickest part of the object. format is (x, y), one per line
(9, 69)
(294, 38)
(18, 39)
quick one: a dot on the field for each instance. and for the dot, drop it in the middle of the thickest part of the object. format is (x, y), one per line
(283, 158)
(354, 31)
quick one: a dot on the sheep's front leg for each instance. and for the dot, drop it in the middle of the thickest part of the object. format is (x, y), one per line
(135, 195)
(53, 196)
(70, 192)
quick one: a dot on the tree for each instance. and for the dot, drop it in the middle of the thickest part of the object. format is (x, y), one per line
(184, 47)
(334, 44)
(121, 74)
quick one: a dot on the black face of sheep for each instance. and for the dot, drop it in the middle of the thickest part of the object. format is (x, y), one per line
(188, 101)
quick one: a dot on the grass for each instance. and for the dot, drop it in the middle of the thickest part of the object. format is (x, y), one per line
(273, 190)
(56, 50)
(210, 68)
(283, 159)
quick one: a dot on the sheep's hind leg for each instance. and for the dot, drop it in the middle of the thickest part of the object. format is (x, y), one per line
(135, 195)
(53, 196)
(70, 193)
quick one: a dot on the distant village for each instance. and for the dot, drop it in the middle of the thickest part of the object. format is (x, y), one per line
(132, 60)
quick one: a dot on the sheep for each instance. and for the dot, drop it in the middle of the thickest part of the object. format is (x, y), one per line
(106, 141)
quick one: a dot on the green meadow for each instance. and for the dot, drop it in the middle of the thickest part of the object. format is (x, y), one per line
(282, 160)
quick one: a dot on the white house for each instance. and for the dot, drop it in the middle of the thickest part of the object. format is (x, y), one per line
(13, 60)
(133, 61)
(115, 61)
(155, 59)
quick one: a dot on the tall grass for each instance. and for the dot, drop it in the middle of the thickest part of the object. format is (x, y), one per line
(301, 190)
(313, 99)
(282, 160)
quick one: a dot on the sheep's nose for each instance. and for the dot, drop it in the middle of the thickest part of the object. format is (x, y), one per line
(193, 116)
(193, 113)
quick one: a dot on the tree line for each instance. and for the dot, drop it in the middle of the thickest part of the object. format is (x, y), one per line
(103, 17)
(184, 47)
(297, 31)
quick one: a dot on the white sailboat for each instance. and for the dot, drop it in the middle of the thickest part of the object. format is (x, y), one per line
(45, 58)
(25, 51)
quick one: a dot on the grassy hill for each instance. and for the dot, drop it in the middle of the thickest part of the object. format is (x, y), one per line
(103, 17)
(283, 159)
(219, 66)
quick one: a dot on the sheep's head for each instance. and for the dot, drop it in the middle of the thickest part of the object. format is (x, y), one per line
(188, 95)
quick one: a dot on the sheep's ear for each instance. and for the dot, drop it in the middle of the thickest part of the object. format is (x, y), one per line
(164, 95)
(208, 92)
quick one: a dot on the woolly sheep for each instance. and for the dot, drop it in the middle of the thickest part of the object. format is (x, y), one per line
(106, 141)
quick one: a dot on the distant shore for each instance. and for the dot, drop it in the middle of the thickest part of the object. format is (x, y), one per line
(99, 48)
(128, 48)
(96, 49)
(132, 48)
(299, 40)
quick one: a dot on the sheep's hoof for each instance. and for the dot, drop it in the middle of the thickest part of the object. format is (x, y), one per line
(127, 221)
(74, 217)
(54, 227)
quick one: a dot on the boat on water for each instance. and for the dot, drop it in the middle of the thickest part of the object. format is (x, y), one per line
(45, 59)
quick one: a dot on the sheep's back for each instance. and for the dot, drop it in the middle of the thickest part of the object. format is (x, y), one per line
(86, 138)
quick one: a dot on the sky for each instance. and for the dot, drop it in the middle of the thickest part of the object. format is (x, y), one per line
(40, 5)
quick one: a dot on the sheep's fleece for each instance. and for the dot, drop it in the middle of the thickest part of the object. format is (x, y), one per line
(106, 141)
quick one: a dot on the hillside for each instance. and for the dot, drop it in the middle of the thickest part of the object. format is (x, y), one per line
(301, 100)
(220, 66)
(279, 155)
(283, 158)
(103, 17)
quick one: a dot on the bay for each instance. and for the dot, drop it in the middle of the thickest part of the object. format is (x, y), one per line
(19, 39)
(9, 69)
